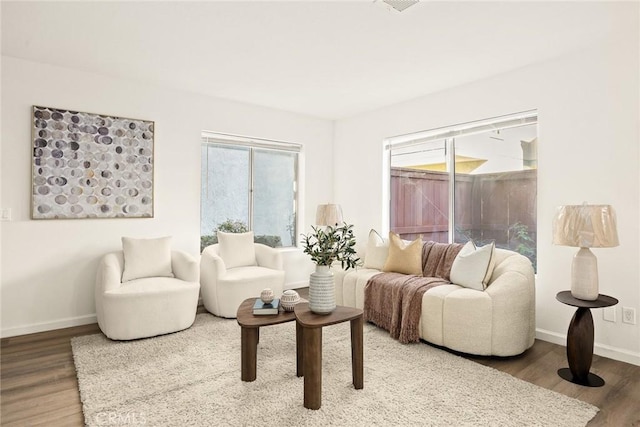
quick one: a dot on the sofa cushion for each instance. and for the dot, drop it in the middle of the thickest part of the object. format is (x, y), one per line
(404, 257)
(237, 249)
(149, 285)
(473, 266)
(377, 251)
(242, 274)
(146, 258)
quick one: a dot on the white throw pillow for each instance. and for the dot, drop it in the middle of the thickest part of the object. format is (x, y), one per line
(237, 249)
(146, 258)
(377, 251)
(473, 266)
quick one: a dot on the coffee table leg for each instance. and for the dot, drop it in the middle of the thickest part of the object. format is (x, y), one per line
(357, 362)
(249, 350)
(299, 353)
(312, 367)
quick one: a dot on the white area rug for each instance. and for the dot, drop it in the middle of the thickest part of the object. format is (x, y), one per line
(192, 378)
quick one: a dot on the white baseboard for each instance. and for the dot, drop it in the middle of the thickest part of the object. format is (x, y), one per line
(541, 334)
(82, 320)
(599, 349)
(48, 326)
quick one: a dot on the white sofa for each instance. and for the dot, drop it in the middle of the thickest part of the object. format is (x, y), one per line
(498, 321)
(149, 306)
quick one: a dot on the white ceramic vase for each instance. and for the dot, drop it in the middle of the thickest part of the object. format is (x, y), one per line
(322, 294)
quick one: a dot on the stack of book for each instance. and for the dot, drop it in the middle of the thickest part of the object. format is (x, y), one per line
(260, 308)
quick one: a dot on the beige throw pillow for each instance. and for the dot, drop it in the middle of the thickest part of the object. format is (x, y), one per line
(377, 251)
(473, 266)
(146, 258)
(237, 249)
(404, 257)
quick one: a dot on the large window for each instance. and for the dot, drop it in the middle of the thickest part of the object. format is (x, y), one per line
(249, 184)
(474, 181)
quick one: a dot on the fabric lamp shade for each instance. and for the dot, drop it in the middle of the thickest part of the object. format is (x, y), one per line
(585, 226)
(328, 214)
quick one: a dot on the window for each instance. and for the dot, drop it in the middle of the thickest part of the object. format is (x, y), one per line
(248, 184)
(476, 181)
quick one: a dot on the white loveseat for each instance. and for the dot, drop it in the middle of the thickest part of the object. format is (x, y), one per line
(498, 321)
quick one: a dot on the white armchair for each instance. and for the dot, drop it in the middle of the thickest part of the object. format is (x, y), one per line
(224, 287)
(148, 306)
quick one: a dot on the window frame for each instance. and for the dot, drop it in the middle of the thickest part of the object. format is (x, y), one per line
(446, 134)
(209, 138)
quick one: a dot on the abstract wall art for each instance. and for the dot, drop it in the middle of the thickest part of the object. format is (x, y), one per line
(90, 165)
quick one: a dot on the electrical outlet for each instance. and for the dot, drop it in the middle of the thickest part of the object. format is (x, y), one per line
(5, 214)
(609, 314)
(629, 315)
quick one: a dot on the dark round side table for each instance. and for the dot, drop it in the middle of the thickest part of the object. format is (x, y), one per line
(580, 339)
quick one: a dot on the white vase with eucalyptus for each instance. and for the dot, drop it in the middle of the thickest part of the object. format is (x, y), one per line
(326, 246)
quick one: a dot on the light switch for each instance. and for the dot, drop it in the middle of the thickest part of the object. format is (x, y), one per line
(5, 214)
(609, 314)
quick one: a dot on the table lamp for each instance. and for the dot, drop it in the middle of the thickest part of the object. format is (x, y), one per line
(585, 226)
(329, 214)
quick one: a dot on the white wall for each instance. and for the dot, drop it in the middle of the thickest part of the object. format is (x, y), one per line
(48, 266)
(588, 151)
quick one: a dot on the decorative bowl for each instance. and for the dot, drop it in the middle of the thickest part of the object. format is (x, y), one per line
(289, 299)
(266, 295)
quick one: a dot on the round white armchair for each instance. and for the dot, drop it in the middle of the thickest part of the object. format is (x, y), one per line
(146, 306)
(227, 282)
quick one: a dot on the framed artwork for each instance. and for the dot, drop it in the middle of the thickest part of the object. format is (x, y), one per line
(89, 165)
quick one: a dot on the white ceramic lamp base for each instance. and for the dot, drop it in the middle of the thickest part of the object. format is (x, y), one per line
(584, 275)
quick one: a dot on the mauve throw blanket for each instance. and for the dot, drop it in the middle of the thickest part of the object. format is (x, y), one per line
(393, 301)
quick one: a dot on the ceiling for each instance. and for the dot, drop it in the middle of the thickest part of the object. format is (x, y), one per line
(325, 59)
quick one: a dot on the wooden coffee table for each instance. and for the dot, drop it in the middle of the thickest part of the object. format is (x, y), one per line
(250, 334)
(309, 332)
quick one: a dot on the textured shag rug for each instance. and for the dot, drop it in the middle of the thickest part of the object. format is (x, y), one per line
(192, 378)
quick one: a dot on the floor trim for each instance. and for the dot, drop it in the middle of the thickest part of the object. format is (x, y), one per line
(604, 350)
(49, 326)
(542, 334)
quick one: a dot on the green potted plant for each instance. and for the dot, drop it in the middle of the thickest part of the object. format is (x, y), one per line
(326, 246)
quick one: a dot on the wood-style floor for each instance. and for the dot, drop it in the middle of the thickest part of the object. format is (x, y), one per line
(39, 385)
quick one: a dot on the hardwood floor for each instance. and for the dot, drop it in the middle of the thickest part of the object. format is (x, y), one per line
(618, 399)
(39, 385)
(38, 379)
